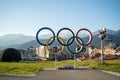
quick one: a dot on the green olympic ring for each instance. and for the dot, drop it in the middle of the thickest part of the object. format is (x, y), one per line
(81, 48)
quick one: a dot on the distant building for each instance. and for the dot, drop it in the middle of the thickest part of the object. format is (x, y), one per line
(112, 50)
(0, 55)
(42, 52)
(31, 55)
(89, 50)
(23, 54)
(107, 50)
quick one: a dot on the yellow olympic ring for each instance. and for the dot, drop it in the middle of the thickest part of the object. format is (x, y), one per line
(63, 47)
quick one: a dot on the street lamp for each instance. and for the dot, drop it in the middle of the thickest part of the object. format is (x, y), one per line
(102, 36)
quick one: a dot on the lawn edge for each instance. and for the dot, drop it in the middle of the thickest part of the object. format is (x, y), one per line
(112, 73)
(17, 75)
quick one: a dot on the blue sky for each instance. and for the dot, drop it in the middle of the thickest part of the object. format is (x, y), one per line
(27, 16)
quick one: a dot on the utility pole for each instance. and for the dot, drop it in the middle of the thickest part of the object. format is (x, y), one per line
(102, 36)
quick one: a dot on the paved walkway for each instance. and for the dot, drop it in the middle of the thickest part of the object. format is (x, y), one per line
(88, 74)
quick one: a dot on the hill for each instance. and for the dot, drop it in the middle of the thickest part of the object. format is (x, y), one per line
(14, 39)
(114, 36)
(27, 41)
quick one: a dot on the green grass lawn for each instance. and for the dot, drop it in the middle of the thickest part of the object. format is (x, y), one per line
(27, 68)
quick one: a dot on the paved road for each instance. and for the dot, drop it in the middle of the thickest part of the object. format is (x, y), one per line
(66, 75)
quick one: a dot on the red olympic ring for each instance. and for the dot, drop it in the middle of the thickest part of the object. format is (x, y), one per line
(90, 35)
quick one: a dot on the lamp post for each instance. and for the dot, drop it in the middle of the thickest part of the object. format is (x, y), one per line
(102, 36)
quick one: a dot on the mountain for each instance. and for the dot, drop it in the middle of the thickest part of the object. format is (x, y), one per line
(111, 37)
(95, 41)
(1, 47)
(13, 39)
(108, 31)
(25, 46)
(20, 41)
(35, 44)
(117, 33)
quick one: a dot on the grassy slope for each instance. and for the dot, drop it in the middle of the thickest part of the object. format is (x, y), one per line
(27, 68)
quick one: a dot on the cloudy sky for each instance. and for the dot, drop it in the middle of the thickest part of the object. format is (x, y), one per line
(28, 16)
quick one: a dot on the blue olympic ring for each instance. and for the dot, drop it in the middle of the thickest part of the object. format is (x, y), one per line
(41, 30)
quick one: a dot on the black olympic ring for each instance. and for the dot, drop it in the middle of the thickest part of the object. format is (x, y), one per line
(72, 36)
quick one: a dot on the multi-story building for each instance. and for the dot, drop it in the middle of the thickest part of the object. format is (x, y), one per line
(42, 52)
(23, 54)
(31, 55)
(107, 50)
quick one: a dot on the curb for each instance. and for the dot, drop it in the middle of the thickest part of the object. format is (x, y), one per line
(32, 75)
(15, 75)
(48, 69)
(82, 68)
(113, 73)
(77, 68)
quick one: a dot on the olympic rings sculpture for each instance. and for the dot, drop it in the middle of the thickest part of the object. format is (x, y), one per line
(69, 41)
